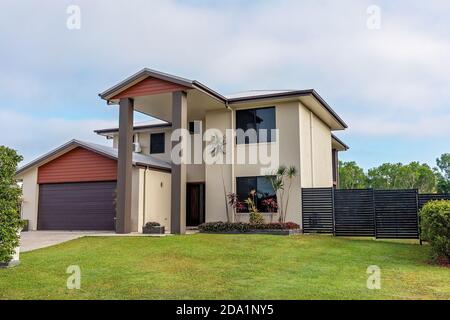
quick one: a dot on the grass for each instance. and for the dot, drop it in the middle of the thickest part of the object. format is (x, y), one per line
(226, 267)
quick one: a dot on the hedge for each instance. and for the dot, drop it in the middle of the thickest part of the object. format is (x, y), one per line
(245, 227)
(435, 227)
(10, 193)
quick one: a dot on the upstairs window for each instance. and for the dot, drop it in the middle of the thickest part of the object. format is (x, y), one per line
(260, 121)
(157, 143)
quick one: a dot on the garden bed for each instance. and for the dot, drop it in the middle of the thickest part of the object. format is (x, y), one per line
(288, 228)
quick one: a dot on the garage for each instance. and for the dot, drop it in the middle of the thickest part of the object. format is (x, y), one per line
(76, 206)
(73, 188)
(77, 191)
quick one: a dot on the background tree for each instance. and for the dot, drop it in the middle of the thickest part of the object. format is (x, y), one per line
(10, 193)
(398, 176)
(443, 173)
(351, 176)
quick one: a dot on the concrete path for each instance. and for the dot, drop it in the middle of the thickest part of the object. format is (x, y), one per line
(32, 240)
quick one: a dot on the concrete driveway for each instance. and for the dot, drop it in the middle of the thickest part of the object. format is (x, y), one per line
(32, 240)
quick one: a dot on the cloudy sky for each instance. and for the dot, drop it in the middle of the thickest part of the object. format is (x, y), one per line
(391, 85)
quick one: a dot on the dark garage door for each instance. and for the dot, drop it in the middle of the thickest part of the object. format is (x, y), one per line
(76, 206)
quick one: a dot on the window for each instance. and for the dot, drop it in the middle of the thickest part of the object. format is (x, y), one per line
(157, 143)
(259, 120)
(262, 186)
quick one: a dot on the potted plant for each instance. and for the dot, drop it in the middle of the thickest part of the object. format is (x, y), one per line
(153, 228)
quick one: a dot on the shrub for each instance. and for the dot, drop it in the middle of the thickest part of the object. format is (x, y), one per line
(245, 227)
(435, 227)
(10, 193)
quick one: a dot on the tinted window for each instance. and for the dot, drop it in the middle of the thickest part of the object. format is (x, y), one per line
(257, 119)
(157, 143)
(262, 186)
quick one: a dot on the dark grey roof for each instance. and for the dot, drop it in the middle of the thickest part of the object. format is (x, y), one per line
(138, 159)
(194, 84)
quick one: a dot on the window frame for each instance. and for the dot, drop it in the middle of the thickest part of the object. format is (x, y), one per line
(255, 125)
(258, 203)
(163, 134)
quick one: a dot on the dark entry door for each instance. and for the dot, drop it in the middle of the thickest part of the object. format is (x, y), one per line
(77, 206)
(195, 204)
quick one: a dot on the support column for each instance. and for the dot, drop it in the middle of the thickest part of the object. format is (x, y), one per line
(178, 185)
(124, 167)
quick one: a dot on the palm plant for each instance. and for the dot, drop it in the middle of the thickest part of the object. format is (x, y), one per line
(281, 178)
(217, 148)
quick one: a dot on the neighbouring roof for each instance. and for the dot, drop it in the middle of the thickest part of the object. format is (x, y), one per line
(110, 152)
(340, 142)
(241, 97)
(138, 126)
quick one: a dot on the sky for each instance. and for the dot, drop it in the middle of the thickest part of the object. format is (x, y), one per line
(385, 72)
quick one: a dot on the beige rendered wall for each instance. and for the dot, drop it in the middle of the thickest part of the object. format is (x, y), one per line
(137, 198)
(157, 198)
(322, 156)
(30, 195)
(288, 144)
(214, 194)
(315, 150)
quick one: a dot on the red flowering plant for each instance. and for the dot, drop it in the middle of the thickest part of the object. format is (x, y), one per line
(236, 204)
(271, 205)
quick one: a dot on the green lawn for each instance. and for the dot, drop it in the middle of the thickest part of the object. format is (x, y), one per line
(226, 267)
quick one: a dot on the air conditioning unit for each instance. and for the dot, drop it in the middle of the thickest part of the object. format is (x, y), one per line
(137, 147)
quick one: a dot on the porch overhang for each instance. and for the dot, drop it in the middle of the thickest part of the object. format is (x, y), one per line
(152, 90)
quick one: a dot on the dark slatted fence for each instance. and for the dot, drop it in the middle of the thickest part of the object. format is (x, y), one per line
(396, 214)
(354, 212)
(364, 212)
(317, 205)
(425, 197)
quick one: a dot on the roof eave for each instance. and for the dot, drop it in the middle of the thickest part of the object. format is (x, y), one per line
(339, 141)
(135, 128)
(144, 73)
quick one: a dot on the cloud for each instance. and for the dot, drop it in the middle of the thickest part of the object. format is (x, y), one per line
(397, 77)
(32, 136)
(424, 127)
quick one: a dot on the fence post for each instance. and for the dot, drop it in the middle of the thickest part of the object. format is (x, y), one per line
(418, 217)
(332, 206)
(374, 214)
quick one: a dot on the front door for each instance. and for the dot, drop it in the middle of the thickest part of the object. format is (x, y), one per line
(195, 204)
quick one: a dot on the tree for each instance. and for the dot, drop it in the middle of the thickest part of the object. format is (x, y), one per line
(10, 193)
(398, 176)
(443, 173)
(351, 176)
